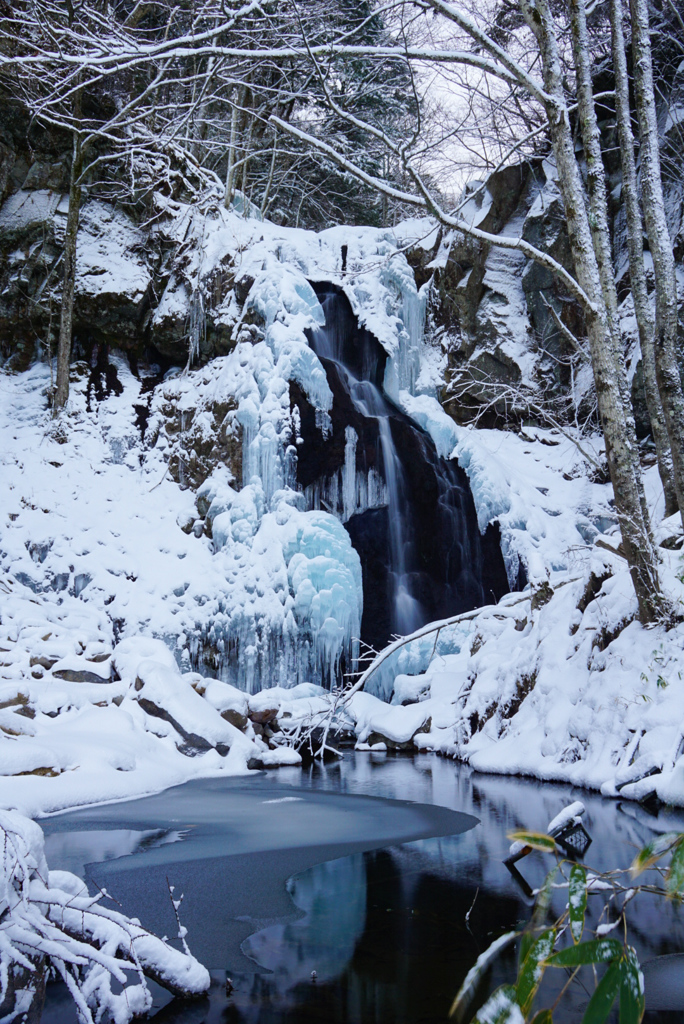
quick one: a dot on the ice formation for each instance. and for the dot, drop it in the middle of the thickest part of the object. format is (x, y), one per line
(291, 608)
(293, 600)
(270, 591)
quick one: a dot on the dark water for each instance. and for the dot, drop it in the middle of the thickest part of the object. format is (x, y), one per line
(390, 932)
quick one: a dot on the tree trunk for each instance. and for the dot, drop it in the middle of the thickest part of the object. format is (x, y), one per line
(69, 280)
(637, 271)
(659, 242)
(267, 190)
(596, 179)
(232, 149)
(25, 992)
(609, 373)
(249, 129)
(598, 207)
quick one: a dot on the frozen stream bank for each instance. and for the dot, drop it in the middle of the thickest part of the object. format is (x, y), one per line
(385, 930)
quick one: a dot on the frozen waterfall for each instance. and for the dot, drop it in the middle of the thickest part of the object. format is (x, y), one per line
(409, 513)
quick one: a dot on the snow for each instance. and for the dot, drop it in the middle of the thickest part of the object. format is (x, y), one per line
(50, 914)
(108, 260)
(429, 414)
(25, 210)
(537, 486)
(396, 724)
(572, 813)
(74, 727)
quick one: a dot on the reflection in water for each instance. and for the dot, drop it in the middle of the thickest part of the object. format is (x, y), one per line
(386, 931)
(333, 898)
(71, 851)
(416, 948)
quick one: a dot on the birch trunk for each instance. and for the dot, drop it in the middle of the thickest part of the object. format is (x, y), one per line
(596, 179)
(609, 373)
(267, 190)
(637, 271)
(660, 245)
(598, 205)
(247, 151)
(69, 279)
(232, 149)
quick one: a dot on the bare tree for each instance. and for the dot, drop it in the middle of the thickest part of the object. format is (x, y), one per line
(592, 285)
(660, 245)
(637, 270)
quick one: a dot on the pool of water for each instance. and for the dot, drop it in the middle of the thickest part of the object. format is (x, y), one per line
(388, 903)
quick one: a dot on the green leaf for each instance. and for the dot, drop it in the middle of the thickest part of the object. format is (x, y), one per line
(543, 1017)
(475, 974)
(632, 1000)
(500, 1008)
(537, 840)
(653, 851)
(539, 914)
(532, 970)
(675, 875)
(604, 996)
(596, 951)
(577, 900)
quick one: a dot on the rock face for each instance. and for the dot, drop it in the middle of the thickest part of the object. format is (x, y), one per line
(503, 321)
(133, 285)
(497, 314)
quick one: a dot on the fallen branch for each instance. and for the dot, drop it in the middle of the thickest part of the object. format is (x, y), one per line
(48, 921)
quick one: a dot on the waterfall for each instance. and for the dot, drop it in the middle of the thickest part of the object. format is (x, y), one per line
(369, 401)
(409, 513)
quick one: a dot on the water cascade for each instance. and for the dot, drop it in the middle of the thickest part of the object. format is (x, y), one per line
(409, 513)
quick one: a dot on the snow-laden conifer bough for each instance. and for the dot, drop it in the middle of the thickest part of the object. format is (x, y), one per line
(49, 922)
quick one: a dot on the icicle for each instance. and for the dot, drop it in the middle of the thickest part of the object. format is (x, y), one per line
(197, 327)
(349, 502)
(402, 371)
(324, 423)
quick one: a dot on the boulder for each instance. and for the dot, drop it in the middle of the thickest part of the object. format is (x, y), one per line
(392, 744)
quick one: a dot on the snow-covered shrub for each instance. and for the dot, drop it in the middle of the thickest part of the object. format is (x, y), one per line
(49, 922)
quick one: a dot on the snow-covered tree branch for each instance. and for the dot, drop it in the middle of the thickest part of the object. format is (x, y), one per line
(50, 924)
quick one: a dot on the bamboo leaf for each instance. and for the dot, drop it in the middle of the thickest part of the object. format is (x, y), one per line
(632, 1000)
(604, 996)
(539, 914)
(532, 970)
(675, 874)
(596, 951)
(500, 1008)
(577, 900)
(543, 1017)
(653, 851)
(537, 840)
(472, 979)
